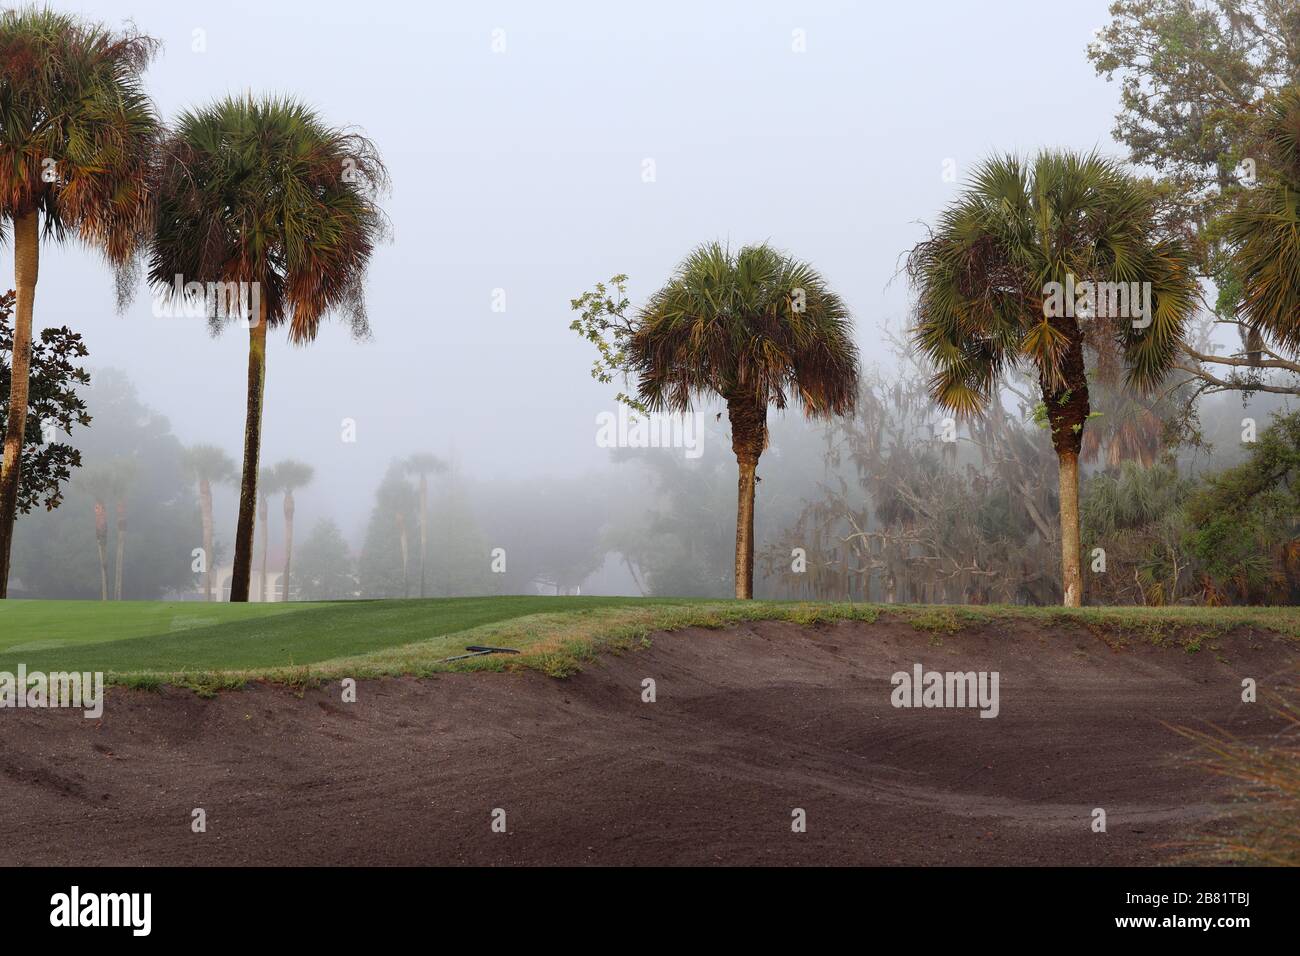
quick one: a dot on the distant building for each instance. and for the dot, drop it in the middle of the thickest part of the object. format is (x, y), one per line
(224, 576)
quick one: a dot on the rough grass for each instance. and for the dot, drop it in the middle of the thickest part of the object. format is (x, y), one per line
(555, 643)
(1267, 828)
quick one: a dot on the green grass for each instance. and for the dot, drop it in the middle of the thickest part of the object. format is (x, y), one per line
(137, 636)
(220, 645)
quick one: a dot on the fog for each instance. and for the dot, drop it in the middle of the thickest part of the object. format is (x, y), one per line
(519, 176)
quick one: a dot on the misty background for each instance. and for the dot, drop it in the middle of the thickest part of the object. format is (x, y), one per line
(519, 176)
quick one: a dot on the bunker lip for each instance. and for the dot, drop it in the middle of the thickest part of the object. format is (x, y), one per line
(749, 724)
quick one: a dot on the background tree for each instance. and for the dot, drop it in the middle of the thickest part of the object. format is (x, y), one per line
(208, 465)
(289, 476)
(264, 192)
(106, 484)
(384, 565)
(1193, 77)
(267, 486)
(326, 571)
(911, 511)
(755, 329)
(1262, 232)
(551, 528)
(461, 564)
(982, 282)
(55, 551)
(76, 141)
(388, 538)
(1245, 523)
(423, 465)
(682, 541)
(53, 400)
(124, 481)
(1137, 515)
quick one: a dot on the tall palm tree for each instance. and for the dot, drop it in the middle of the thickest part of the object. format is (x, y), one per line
(101, 540)
(423, 465)
(267, 485)
(290, 475)
(106, 483)
(209, 465)
(756, 328)
(265, 193)
(396, 498)
(121, 547)
(77, 134)
(1263, 231)
(991, 281)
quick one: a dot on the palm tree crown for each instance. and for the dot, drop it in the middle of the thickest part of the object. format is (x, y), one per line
(77, 131)
(982, 274)
(423, 464)
(291, 475)
(755, 327)
(210, 463)
(265, 192)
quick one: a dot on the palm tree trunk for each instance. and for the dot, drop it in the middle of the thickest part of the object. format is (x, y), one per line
(27, 253)
(401, 539)
(748, 438)
(243, 570)
(745, 530)
(121, 549)
(205, 508)
(264, 533)
(101, 539)
(288, 542)
(424, 525)
(1068, 410)
(1071, 570)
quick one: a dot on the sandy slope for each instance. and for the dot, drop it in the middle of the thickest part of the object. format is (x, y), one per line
(749, 723)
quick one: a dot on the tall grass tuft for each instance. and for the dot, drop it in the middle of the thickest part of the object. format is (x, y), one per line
(1267, 830)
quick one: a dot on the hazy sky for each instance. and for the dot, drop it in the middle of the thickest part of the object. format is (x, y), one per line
(522, 170)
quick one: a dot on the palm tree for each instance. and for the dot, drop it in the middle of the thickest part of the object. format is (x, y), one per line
(1263, 232)
(77, 134)
(105, 482)
(267, 485)
(121, 547)
(989, 286)
(756, 329)
(209, 465)
(396, 498)
(101, 540)
(290, 475)
(264, 193)
(424, 465)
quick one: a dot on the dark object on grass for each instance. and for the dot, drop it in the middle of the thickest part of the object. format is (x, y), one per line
(478, 650)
